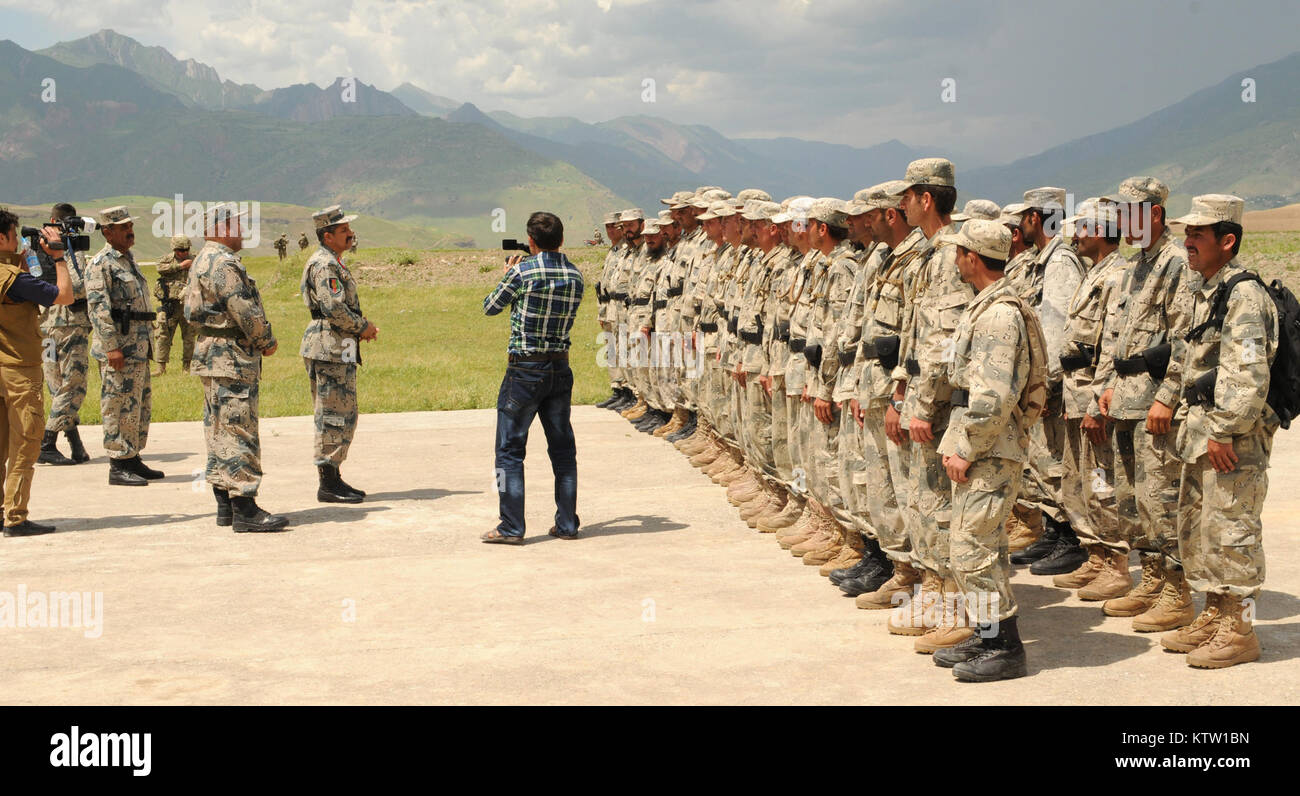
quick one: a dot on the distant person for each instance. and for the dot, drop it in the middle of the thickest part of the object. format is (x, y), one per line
(543, 292)
(282, 246)
(303, 243)
(173, 273)
(67, 353)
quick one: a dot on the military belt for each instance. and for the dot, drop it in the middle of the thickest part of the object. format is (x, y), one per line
(221, 331)
(1201, 391)
(960, 398)
(753, 338)
(813, 353)
(847, 357)
(617, 296)
(1084, 356)
(660, 304)
(674, 292)
(733, 324)
(1131, 366)
(640, 301)
(913, 367)
(708, 327)
(783, 332)
(797, 344)
(317, 315)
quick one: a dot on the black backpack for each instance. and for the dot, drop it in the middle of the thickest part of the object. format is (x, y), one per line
(1284, 376)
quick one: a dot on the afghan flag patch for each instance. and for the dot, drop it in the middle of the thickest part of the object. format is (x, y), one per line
(335, 286)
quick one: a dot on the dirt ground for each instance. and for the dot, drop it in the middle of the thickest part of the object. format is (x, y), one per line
(667, 598)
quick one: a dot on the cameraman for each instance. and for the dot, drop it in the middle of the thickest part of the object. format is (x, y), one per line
(66, 357)
(20, 366)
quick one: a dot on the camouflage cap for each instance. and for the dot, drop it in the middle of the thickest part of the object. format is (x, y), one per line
(830, 211)
(330, 216)
(631, 214)
(222, 214)
(1211, 208)
(677, 198)
(718, 209)
(987, 238)
(1095, 210)
(928, 171)
(716, 194)
(703, 189)
(181, 243)
(985, 209)
(1137, 190)
(760, 210)
(753, 193)
(115, 215)
(666, 218)
(651, 227)
(611, 218)
(1045, 198)
(795, 209)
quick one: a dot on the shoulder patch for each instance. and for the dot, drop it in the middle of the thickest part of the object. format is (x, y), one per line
(334, 285)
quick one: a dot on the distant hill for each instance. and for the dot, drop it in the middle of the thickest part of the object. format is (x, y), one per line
(307, 102)
(422, 102)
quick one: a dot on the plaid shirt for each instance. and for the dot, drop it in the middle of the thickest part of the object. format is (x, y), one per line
(543, 292)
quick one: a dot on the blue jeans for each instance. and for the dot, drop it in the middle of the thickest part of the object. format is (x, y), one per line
(532, 389)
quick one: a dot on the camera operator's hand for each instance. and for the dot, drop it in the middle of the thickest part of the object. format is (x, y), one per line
(512, 260)
(116, 359)
(268, 352)
(50, 235)
(371, 331)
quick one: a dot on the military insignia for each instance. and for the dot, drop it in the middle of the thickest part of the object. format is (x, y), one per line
(335, 287)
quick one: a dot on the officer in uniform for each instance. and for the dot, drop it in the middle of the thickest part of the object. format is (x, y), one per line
(66, 360)
(173, 273)
(331, 350)
(1225, 439)
(117, 297)
(998, 373)
(282, 246)
(303, 243)
(233, 335)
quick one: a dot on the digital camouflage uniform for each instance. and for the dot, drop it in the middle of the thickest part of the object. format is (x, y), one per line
(331, 352)
(65, 355)
(846, 336)
(170, 292)
(222, 300)
(117, 301)
(780, 263)
(281, 246)
(830, 303)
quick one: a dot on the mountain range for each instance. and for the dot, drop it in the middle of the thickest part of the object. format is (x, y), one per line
(415, 156)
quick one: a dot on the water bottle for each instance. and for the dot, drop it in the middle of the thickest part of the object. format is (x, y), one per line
(33, 263)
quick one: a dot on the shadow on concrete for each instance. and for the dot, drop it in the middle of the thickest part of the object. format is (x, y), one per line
(1072, 640)
(70, 524)
(1276, 605)
(633, 523)
(418, 494)
(334, 512)
(150, 458)
(1278, 642)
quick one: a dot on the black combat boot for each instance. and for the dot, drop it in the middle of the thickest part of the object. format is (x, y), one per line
(613, 396)
(1001, 657)
(79, 454)
(685, 431)
(872, 579)
(331, 489)
(626, 400)
(346, 485)
(50, 453)
(137, 466)
(225, 515)
(657, 420)
(968, 650)
(120, 473)
(1041, 548)
(248, 516)
(864, 565)
(1067, 556)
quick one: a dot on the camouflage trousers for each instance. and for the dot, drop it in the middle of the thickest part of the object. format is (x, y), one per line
(66, 361)
(334, 402)
(931, 507)
(875, 495)
(1146, 488)
(795, 443)
(168, 322)
(1088, 489)
(1042, 486)
(613, 351)
(720, 402)
(230, 431)
(126, 403)
(20, 436)
(1220, 534)
(821, 452)
(758, 426)
(977, 544)
(781, 463)
(848, 463)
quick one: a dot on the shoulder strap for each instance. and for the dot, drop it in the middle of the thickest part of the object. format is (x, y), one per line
(1219, 305)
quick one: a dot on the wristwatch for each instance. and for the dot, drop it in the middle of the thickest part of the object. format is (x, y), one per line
(898, 406)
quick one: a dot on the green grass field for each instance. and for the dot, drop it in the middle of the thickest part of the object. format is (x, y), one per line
(436, 349)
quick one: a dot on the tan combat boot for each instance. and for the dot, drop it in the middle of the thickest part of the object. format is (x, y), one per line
(1084, 574)
(1172, 609)
(904, 578)
(1234, 641)
(776, 523)
(836, 533)
(733, 474)
(695, 443)
(769, 501)
(850, 554)
(1113, 580)
(637, 410)
(824, 533)
(706, 455)
(801, 530)
(721, 462)
(675, 424)
(1200, 631)
(922, 610)
(745, 488)
(953, 627)
(1144, 594)
(1024, 527)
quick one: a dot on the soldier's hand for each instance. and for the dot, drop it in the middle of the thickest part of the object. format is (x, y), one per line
(1158, 417)
(116, 359)
(824, 410)
(892, 427)
(856, 409)
(1223, 457)
(921, 430)
(766, 383)
(269, 351)
(370, 332)
(956, 468)
(1104, 403)
(1095, 428)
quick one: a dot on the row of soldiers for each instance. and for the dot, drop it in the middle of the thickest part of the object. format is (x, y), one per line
(913, 406)
(226, 333)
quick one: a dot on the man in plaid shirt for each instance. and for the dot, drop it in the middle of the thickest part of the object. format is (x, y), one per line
(543, 292)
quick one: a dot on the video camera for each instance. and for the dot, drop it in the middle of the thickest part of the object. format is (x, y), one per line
(511, 245)
(74, 230)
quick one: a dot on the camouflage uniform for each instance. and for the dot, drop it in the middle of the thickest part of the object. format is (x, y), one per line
(753, 358)
(281, 246)
(170, 292)
(809, 273)
(303, 243)
(331, 352)
(1155, 306)
(65, 358)
(780, 263)
(1220, 535)
(223, 302)
(115, 286)
(991, 360)
(830, 302)
(845, 338)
